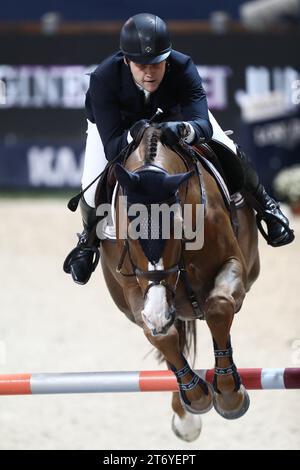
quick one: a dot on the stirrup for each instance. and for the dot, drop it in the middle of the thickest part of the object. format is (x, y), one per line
(75, 254)
(264, 205)
(287, 235)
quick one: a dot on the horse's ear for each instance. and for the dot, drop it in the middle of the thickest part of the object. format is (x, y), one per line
(127, 180)
(172, 182)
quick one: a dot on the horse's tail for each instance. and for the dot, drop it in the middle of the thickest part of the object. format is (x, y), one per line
(187, 331)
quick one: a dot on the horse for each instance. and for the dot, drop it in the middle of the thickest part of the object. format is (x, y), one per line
(164, 287)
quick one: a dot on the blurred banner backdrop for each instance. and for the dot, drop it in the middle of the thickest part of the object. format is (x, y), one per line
(251, 79)
(91, 10)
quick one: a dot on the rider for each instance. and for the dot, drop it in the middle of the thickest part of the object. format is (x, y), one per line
(125, 91)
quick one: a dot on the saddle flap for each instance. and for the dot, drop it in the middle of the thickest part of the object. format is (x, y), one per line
(229, 163)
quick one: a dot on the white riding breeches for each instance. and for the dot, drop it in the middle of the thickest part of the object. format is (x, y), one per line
(95, 160)
(220, 136)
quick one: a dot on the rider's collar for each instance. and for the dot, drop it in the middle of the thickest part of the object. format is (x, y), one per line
(146, 93)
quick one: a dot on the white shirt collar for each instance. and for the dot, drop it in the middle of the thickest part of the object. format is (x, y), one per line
(146, 93)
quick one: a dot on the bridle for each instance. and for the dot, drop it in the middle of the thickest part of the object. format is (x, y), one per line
(157, 276)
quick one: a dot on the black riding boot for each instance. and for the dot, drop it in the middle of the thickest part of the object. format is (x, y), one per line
(268, 210)
(83, 259)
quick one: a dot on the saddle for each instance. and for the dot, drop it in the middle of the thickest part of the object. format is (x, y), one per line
(228, 165)
(226, 169)
(223, 165)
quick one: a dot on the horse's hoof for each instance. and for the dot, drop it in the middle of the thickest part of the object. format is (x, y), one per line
(233, 414)
(187, 428)
(196, 407)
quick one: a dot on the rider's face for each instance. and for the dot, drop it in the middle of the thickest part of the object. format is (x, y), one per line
(148, 76)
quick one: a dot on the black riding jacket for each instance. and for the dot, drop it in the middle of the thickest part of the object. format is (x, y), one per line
(115, 103)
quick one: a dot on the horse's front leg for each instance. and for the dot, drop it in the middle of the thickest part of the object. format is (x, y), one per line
(195, 394)
(231, 400)
(187, 426)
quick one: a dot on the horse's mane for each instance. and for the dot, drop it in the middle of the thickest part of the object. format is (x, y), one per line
(151, 141)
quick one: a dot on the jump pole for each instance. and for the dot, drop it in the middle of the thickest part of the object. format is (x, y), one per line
(140, 381)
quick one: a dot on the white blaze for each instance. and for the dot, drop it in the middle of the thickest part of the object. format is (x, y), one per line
(156, 310)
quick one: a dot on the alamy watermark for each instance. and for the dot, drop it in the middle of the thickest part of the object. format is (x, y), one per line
(155, 221)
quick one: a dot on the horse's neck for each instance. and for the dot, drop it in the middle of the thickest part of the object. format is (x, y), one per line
(151, 151)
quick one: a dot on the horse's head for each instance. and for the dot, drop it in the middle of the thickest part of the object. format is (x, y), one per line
(154, 247)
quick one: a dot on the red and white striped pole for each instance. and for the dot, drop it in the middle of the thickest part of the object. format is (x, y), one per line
(144, 381)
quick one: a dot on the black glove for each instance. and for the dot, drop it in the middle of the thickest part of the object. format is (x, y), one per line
(137, 127)
(172, 132)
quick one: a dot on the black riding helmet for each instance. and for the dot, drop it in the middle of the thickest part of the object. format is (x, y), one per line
(145, 39)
